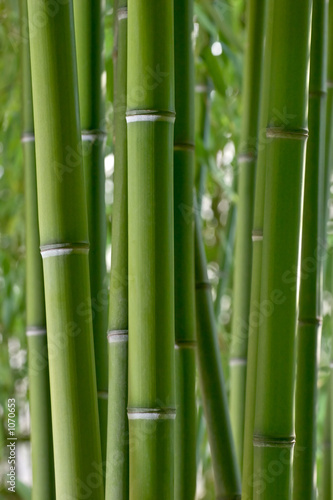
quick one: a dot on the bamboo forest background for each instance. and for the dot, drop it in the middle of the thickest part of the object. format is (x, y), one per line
(219, 43)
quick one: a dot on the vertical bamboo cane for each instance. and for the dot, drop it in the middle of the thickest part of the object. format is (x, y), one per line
(185, 426)
(286, 132)
(245, 208)
(64, 247)
(150, 119)
(326, 477)
(214, 397)
(88, 15)
(310, 315)
(39, 383)
(117, 483)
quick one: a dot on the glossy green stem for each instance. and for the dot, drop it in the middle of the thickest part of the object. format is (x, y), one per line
(117, 479)
(88, 16)
(38, 367)
(310, 314)
(64, 245)
(214, 397)
(185, 428)
(245, 208)
(286, 135)
(326, 483)
(150, 135)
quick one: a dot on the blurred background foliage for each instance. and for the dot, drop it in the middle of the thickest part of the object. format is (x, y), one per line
(218, 40)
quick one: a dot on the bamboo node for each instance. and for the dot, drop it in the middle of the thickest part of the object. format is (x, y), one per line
(185, 344)
(329, 84)
(150, 115)
(33, 331)
(201, 89)
(151, 413)
(122, 13)
(117, 336)
(93, 135)
(203, 284)
(257, 235)
(310, 321)
(27, 137)
(185, 146)
(237, 362)
(273, 442)
(59, 249)
(299, 134)
(247, 157)
(317, 94)
(102, 394)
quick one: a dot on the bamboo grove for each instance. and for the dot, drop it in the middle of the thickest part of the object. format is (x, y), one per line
(137, 389)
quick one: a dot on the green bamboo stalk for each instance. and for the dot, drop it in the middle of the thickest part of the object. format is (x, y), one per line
(39, 383)
(214, 397)
(326, 483)
(117, 474)
(310, 309)
(274, 436)
(88, 16)
(150, 119)
(64, 247)
(184, 136)
(329, 116)
(245, 208)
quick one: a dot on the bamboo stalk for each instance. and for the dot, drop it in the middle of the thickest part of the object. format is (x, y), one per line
(310, 313)
(286, 132)
(39, 383)
(64, 247)
(185, 425)
(88, 15)
(245, 209)
(150, 119)
(326, 493)
(117, 483)
(226, 471)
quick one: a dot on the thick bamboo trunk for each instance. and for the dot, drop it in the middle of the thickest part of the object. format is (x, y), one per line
(64, 247)
(88, 15)
(117, 479)
(214, 397)
(39, 384)
(185, 426)
(150, 130)
(286, 133)
(243, 249)
(310, 314)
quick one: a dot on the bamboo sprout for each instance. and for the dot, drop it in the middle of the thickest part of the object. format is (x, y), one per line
(117, 476)
(226, 471)
(150, 119)
(185, 425)
(286, 133)
(39, 384)
(89, 42)
(64, 247)
(310, 315)
(245, 208)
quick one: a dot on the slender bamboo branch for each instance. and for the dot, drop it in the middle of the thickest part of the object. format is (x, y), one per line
(88, 15)
(286, 133)
(245, 208)
(185, 428)
(310, 314)
(150, 132)
(64, 247)
(39, 383)
(117, 482)
(226, 471)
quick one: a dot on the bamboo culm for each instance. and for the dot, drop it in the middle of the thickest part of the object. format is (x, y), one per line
(64, 246)
(214, 397)
(39, 383)
(310, 314)
(150, 135)
(88, 16)
(185, 425)
(117, 473)
(244, 223)
(288, 32)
